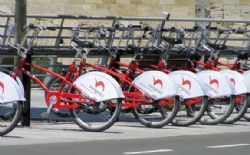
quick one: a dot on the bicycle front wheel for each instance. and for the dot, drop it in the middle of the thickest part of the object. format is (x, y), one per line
(158, 113)
(190, 111)
(97, 117)
(218, 110)
(240, 108)
(10, 114)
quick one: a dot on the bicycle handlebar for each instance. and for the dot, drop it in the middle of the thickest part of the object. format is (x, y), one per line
(21, 49)
(39, 28)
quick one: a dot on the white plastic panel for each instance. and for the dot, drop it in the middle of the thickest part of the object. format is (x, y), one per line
(217, 84)
(10, 90)
(156, 84)
(189, 85)
(99, 86)
(246, 75)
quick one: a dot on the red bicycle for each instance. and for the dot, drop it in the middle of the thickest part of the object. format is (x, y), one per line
(237, 106)
(191, 109)
(96, 89)
(135, 95)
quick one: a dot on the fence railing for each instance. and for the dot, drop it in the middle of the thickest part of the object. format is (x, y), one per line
(64, 24)
(57, 43)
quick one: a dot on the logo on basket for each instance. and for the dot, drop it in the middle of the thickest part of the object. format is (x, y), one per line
(232, 80)
(214, 81)
(157, 82)
(186, 82)
(2, 86)
(99, 84)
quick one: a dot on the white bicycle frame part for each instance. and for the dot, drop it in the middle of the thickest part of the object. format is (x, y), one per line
(246, 75)
(238, 81)
(189, 85)
(217, 85)
(99, 86)
(10, 89)
(156, 84)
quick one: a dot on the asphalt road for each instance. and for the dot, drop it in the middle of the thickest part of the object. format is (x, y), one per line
(219, 144)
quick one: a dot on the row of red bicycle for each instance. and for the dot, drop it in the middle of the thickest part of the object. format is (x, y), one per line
(196, 90)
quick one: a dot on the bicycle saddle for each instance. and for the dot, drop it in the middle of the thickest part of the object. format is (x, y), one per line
(139, 50)
(243, 54)
(172, 41)
(84, 44)
(217, 46)
(192, 53)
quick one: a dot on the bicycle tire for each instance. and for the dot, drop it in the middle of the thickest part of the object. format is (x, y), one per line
(158, 118)
(213, 117)
(84, 119)
(193, 113)
(247, 114)
(13, 114)
(239, 111)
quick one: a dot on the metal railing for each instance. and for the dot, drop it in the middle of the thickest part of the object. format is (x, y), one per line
(64, 26)
(56, 48)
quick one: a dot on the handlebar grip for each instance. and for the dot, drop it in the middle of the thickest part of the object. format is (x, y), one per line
(167, 15)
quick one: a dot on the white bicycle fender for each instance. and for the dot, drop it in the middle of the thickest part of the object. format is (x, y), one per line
(217, 85)
(20, 85)
(189, 85)
(156, 84)
(99, 86)
(246, 75)
(238, 81)
(10, 90)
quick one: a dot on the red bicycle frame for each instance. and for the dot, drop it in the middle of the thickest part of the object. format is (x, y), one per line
(160, 67)
(69, 100)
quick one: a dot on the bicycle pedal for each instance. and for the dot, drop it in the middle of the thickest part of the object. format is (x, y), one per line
(44, 115)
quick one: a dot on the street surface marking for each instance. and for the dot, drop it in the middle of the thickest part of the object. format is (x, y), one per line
(149, 151)
(226, 146)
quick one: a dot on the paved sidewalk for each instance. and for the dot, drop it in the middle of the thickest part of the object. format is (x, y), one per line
(64, 132)
(48, 131)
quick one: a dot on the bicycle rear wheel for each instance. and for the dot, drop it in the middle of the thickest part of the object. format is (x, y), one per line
(247, 114)
(97, 117)
(158, 113)
(240, 108)
(218, 110)
(10, 114)
(190, 113)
